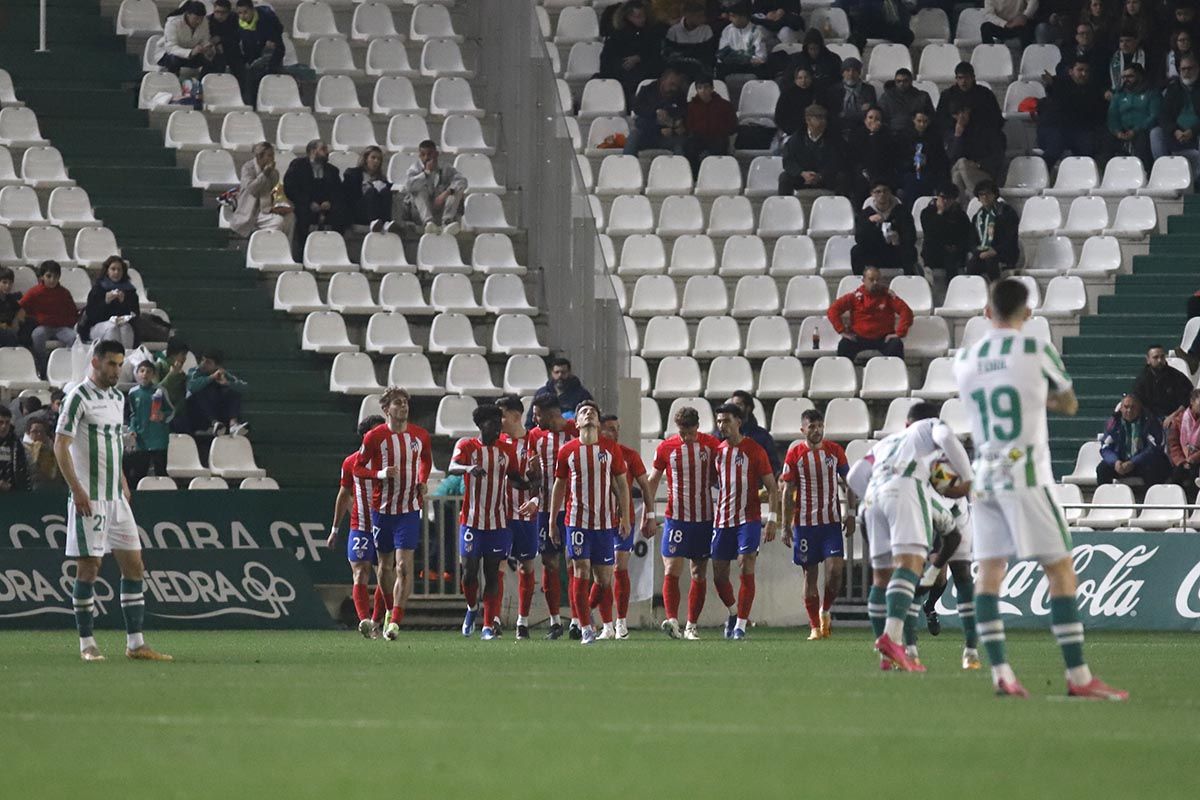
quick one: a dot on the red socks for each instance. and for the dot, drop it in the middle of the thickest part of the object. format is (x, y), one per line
(525, 584)
(572, 597)
(621, 589)
(362, 600)
(696, 594)
(397, 614)
(830, 596)
(471, 592)
(382, 601)
(745, 597)
(552, 589)
(725, 591)
(581, 602)
(594, 595)
(606, 604)
(813, 606)
(491, 608)
(671, 596)
(499, 594)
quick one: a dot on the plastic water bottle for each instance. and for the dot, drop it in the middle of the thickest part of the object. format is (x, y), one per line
(156, 404)
(816, 339)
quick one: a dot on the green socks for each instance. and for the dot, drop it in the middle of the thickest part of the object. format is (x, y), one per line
(900, 591)
(876, 608)
(1067, 629)
(991, 628)
(964, 584)
(85, 604)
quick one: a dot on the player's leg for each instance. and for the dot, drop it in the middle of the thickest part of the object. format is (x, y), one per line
(964, 588)
(809, 561)
(405, 559)
(724, 552)
(360, 592)
(469, 556)
(879, 546)
(385, 548)
(1068, 631)
(904, 505)
(581, 569)
(133, 604)
(749, 537)
(622, 588)
(491, 593)
(833, 550)
(696, 594)
(603, 557)
(930, 600)
(672, 569)
(994, 545)
(83, 594)
(525, 547)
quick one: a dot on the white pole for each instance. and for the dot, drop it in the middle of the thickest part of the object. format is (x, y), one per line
(42, 27)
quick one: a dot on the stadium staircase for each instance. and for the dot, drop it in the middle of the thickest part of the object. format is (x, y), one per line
(84, 92)
(1147, 307)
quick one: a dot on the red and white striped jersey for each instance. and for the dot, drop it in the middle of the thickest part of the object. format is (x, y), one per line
(634, 469)
(546, 444)
(740, 469)
(410, 451)
(518, 497)
(360, 494)
(590, 471)
(485, 498)
(813, 476)
(688, 469)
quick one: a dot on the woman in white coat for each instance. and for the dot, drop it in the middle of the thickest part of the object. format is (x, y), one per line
(259, 206)
(185, 41)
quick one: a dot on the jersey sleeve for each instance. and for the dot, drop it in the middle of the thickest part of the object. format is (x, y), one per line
(790, 462)
(662, 456)
(561, 470)
(426, 455)
(368, 457)
(514, 463)
(1052, 367)
(347, 480)
(72, 415)
(843, 466)
(619, 467)
(762, 464)
(633, 461)
(462, 451)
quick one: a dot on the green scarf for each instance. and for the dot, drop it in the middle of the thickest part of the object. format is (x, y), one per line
(251, 25)
(985, 226)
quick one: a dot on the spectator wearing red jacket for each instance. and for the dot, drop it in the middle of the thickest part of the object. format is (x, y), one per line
(52, 309)
(711, 120)
(871, 318)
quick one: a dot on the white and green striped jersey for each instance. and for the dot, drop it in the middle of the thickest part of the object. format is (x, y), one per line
(94, 418)
(1003, 380)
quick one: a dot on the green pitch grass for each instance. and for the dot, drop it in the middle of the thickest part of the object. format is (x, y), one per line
(331, 715)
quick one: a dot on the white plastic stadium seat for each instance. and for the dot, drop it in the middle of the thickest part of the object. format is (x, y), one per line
(214, 171)
(719, 175)
(832, 376)
(454, 417)
(222, 94)
(388, 334)
(806, 296)
(156, 483)
(913, 290)
(767, 337)
(937, 63)
(793, 255)
(779, 377)
(1100, 255)
(679, 216)
(1123, 175)
(331, 56)
(451, 333)
(233, 457)
(1027, 176)
(743, 255)
(780, 216)
(929, 337)
(642, 254)
(703, 296)
(1136, 218)
(70, 207)
(940, 383)
(325, 251)
(966, 296)
(1108, 518)
(1041, 216)
(885, 60)
(847, 418)
(1053, 255)
(263, 484)
(43, 243)
(463, 134)
(1066, 297)
(505, 294)
(270, 251)
(350, 293)
(279, 94)
(514, 334)
(296, 293)
(483, 213)
(1087, 216)
(668, 175)
(413, 372)
(897, 416)
(388, 56)
(731, 216)
(884, 378)
(757, 102)
(453, 292)
(727, 374)
(371, 21)
(1077, 175)
(353, 131)
(583, 61)
(240, 131)
(17, 370)
(43, 168)
(384, 252)
(93, 246)
(666, 335)
(717, 336)
(336, 94)
(295, 130)
(754, 296)
(601, 97)
(786, 419)
(992, 63)
(619, 174)
(762, 178)
(577, 24)
(524, 374)
(325, 332)
(1170, 176)
(19, 128)
(137, 17)
(183, 459)
(431, 21)
(830, 215)
(469, 374)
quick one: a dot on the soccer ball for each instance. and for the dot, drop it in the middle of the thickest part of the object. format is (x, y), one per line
(942, 476)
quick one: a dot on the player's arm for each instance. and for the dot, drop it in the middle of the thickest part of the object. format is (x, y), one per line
(557, 495)
(768, 480)
(460, 462)
(851, 501)
(1064, 402)
(649, 498)
(787, 505)
(426, 465)
(1061, 397)
(341, 504)
(366, 464)
(643, 484)
(622, 486)
(66, 465)
(945, 439)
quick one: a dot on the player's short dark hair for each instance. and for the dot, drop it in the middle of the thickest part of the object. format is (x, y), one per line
(609, 418)
(215, 356)
(560, 362)
(964, 68)
(176, 346)
(28, 405)
(587, 404)
(732, 410)
(544, 401)
(485, 413)
(6, 274)
(922, 410)
(245, 3)
(147, 364)
(57, 394)
(49, 267)
(905, 72)
(427, 144)
(510, 402)
(812, 415)
(744, 396)
(367, 423)
(391, 394)
(1009, 296)
(988, 186)
(107, 347)
(222, 4)
(687, 417)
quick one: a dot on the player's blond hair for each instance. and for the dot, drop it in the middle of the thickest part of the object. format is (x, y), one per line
(391, 394)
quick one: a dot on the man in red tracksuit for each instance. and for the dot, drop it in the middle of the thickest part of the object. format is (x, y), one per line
(871, 318)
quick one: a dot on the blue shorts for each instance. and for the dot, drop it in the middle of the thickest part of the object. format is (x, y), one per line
(686, 539)
(396, 531)
(623, 545)
(592, 545)
(812, 544)
(729, 543)
(360, 547)
(545, 545)
(524, 538)
(478, 543)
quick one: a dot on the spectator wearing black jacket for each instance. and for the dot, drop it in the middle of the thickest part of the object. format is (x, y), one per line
(659, 112)
(315, 188)
(966, 92)
(1084, 47)
(900, 100)
(1071, 114)
(812, 159)
(633, 52)
(225, 35)
(261, 40)
(995, 243)
(884, 233)
(1178, 133)
(947, 233)
(873, 153)
(690, 43)
(849, 100)
(14, 469)
(975, 151)
(780, 18)
(1162, 388)
(922, 162)
(880, 19)
(112, 305)
(368, 191)
(795, 96)
(824, 64)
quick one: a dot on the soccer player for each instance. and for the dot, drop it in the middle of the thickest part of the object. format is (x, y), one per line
(1008, 380)
(589, 469)
(397, 455)
(741, 466)
(812, 471)
(551, 431)
(610, 429)
(953, 541)
(686, 460)
(354, 495)
(488, 465)
(898, 523)
(522, 523)
(88, 446)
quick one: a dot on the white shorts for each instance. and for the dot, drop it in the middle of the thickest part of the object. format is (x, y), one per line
(1026, 523)
(110, 527)
(952, 515)
(898, 522)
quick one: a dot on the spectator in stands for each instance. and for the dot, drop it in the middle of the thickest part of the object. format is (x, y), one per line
(112, 305)
(1129, 51)
(1102, 16)
(850, 99)
(753, 430)
(795, 96)
(742, 50)
(52, 311)
(781, 19)
(632, 53)
(690, 44)
(432, 198)
(261, 202)
(1084, 47)
(12, 316)
(39, 455)
(901, 100)
(974, 150)
(879, 19)
(995, 245)
(659, 113)
(923, 165)
(1183, 445)
(315, 188)
(186, 41)
(24, 409)
(225, 35)
(368, 191)
(1181, 48)
(14, 471)
(1132, 113)
(1132, 446)
(871, 318)
(1161, 388)
(873, 152)
(813, 159)
(565, 386)
(1053, 20)
(148, 414)
(1141, 17)
(884, 233)
(947, 233)
(214, 397)
(1071, 114)
(985, 111)
(1005, 20)
(262, 49)
(1185, 17)
(1178, 131)
(821, 62)
(172, 379)
(711, 121)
